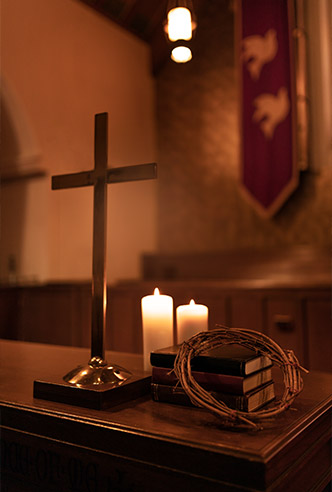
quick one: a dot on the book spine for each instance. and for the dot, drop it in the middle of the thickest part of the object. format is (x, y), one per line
(208, 380)
(201, 363)
(162, 360)
(177, 395)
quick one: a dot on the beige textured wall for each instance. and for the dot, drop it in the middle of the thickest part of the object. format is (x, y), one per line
(201, 207)
(63, 62)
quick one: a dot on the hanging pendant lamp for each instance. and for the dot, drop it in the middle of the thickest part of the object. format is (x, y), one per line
(179, 26)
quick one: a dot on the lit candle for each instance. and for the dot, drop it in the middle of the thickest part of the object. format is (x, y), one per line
(191, 319)
(157, 320)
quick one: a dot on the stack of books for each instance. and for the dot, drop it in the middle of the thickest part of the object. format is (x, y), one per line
(238, 376)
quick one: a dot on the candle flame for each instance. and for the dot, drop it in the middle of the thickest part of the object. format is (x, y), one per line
(156, 292)
(192, 302)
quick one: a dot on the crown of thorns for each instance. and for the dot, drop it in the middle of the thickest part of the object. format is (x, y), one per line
(261, 344)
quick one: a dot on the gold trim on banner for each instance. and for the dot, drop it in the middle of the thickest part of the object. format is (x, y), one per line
(301, 82)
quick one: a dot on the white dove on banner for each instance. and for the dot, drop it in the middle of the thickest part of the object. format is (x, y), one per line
(271, 110)
(258, 50)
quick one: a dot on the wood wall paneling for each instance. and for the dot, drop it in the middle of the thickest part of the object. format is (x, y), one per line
(319, 323)
(247, 311)
(123, 321)
(298, 319)
(9, 312)
(285, 323)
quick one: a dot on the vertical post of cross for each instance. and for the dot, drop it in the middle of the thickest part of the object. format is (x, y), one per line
(99, 239)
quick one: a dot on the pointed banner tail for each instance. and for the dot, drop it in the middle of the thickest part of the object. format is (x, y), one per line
(269, 171)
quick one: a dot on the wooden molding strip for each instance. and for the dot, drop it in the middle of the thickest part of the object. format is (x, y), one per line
(10, 177)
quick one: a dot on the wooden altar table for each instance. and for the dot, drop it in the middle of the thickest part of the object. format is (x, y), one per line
(145, 446)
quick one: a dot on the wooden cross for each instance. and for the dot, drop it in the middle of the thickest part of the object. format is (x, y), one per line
(99, 177)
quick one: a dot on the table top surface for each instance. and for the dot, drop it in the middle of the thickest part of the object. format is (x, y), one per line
(21, 363)
(191, 442)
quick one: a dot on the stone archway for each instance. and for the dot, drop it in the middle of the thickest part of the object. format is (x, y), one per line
(18, 145)
(19, 157)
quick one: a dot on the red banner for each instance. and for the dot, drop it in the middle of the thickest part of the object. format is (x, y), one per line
(269, 171)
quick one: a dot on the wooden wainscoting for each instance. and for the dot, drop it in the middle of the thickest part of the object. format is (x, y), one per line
(291, 304)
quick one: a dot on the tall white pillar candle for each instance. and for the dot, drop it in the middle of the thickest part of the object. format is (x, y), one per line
(191, 319)
(157, 321)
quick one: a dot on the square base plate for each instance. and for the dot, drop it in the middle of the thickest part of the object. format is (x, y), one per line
(106, 396)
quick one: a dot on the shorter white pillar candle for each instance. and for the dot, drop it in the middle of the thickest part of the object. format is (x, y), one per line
(191, 319)
(157, 321)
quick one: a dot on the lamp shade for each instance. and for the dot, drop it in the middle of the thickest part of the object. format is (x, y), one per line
(179, 24)
(181, 54)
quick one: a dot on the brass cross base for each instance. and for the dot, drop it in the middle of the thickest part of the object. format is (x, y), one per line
(96, 387)
(97, 373)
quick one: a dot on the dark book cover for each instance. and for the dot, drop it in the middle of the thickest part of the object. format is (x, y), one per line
(227, 359)
(250, 402)
(215, 382)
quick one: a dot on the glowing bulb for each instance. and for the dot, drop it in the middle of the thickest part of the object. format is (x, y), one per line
(179, 24)
(181, 54)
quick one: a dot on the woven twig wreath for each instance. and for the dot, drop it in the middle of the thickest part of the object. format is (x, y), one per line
(262, 344)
